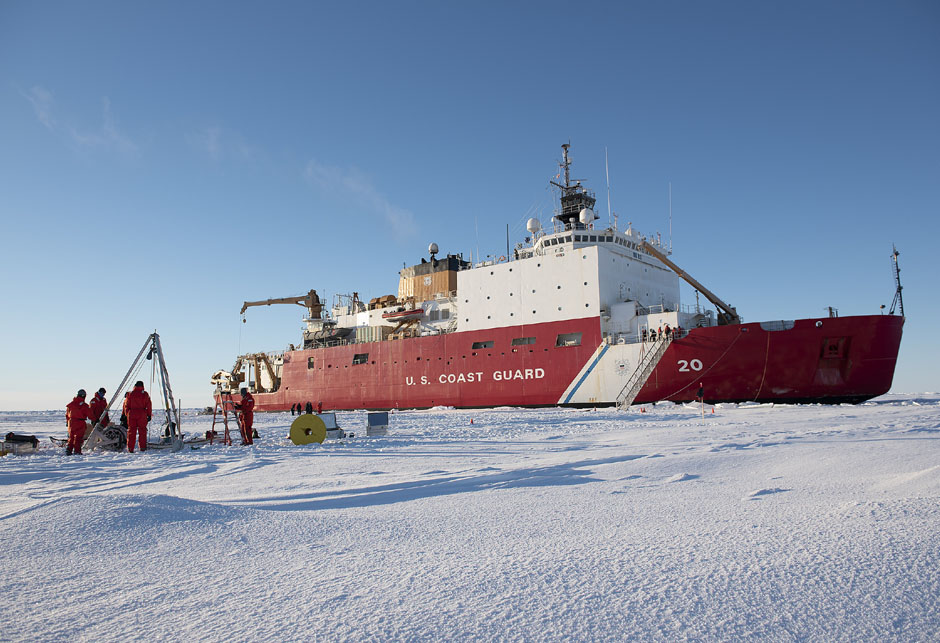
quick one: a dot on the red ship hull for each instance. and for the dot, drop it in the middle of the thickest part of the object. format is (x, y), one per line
(829, 360)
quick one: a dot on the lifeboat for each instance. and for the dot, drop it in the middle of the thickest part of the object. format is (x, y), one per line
(403, 314)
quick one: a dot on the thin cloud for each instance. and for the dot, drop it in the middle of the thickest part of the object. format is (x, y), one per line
(41, 100)
(220, 145)
(352, 183)
(107, 136)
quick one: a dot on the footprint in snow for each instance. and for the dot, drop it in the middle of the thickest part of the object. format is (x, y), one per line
(757, 495)
(681, 477)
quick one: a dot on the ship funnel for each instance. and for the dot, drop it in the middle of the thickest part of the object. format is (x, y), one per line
(533, 225)
(587, 216)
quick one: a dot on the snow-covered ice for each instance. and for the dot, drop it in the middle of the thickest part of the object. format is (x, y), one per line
(771, 522)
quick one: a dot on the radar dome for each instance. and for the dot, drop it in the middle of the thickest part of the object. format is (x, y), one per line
(533, 225)
(587, 215)
(432, 249)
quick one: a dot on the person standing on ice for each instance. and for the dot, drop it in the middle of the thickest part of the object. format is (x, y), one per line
(138, 409)
(76, 412)
(247, 407)
(98, 406)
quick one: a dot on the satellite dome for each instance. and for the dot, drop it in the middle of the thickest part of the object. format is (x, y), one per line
(533, 225)
(432, 249)
(587, 215)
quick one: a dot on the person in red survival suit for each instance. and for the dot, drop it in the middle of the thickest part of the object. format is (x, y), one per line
(76, 412)
(98, 406)
(138, 409)
(247, 407)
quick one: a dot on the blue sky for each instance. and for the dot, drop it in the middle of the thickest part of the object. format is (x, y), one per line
(160, 163)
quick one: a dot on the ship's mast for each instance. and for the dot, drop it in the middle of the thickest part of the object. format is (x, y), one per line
(574, 198)
(566, 164)
(898, 300)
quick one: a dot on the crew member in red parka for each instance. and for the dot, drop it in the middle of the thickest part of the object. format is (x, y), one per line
(98, 406)
(138, 409)
(76, 412)
(247, 407)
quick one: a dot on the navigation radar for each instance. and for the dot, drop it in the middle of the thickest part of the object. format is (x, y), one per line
(432, 249)
(533, 225)
(587, 215)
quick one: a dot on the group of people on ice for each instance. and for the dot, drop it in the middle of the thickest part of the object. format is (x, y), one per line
(136, 413)
(308, 408)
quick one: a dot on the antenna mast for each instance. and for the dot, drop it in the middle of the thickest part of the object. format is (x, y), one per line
(670, 217)
(607, 172)
(566, 164)
(898, 300)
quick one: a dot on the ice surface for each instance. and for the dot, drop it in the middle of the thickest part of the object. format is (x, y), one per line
(759, 521)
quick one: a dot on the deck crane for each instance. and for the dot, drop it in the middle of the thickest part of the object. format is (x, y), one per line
(311, 301)
(726, 314)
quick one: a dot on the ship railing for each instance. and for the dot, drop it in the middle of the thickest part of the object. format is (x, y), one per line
(638, 338)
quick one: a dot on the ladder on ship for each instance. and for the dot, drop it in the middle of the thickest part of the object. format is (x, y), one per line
(643, 370)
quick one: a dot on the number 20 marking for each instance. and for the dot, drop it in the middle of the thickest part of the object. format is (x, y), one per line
(685, 365)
